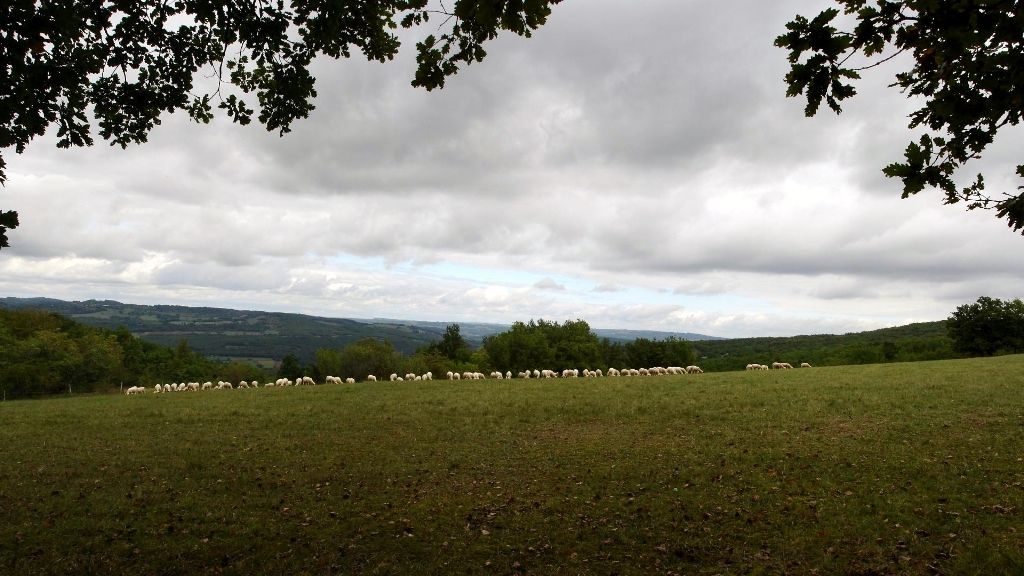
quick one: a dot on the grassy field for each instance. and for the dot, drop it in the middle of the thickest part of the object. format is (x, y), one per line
(881, 469)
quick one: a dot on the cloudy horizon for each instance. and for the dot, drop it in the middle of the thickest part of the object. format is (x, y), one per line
(638, 169)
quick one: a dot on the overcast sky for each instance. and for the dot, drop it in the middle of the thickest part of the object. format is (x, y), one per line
(634, 164)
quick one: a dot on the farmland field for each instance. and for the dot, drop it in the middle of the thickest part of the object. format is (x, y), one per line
(913, 468)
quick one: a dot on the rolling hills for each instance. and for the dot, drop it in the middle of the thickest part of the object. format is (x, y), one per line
(268, 336)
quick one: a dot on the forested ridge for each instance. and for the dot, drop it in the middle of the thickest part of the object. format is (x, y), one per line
(912, 342)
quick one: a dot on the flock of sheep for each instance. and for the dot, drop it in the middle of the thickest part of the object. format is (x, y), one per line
(567, 373)
(776, 366)
(575, 373)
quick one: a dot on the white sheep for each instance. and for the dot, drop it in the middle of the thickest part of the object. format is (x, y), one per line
(805, 365)
(270, 384)
(371, 378)
(308, 381)
(134, 390)
(694, 370)
(350, 380)
(243, 384)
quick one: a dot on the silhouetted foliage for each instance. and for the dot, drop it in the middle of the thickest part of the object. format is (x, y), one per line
(965, 61)
(129, 63)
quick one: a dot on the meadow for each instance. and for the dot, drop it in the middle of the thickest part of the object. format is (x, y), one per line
(914, 468)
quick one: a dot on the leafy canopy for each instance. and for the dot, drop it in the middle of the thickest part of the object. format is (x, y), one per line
(967, 69)
(127, 63)
(989, 326)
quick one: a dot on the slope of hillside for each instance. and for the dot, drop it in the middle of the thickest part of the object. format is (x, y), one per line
(224, 333)
(919, 341)
(475, 332)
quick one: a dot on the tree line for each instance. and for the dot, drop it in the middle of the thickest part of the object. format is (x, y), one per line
(537, 344)
(44, 353)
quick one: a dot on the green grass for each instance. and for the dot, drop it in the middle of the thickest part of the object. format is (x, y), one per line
(881, 469)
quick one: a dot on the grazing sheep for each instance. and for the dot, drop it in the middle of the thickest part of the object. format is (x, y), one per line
(350, 380)
(805, 365)
(371, 378)
(308, 381)
(270, 384)
(134, 390)
(393, 377)
(694, 370)
(243, 384)
(612, 372)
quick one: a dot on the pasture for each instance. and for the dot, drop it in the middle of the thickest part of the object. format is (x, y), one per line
(911, 468)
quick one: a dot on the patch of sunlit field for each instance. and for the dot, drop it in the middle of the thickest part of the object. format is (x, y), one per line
(882, 469)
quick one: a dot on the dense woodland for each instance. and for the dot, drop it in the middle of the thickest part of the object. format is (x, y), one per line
(46, 353)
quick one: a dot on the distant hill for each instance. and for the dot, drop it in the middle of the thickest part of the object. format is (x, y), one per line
(232, 334)
(269, 336)
(475, 332)
(912, 342)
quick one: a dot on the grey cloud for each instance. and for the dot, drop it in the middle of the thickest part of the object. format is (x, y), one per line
(549, 284)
